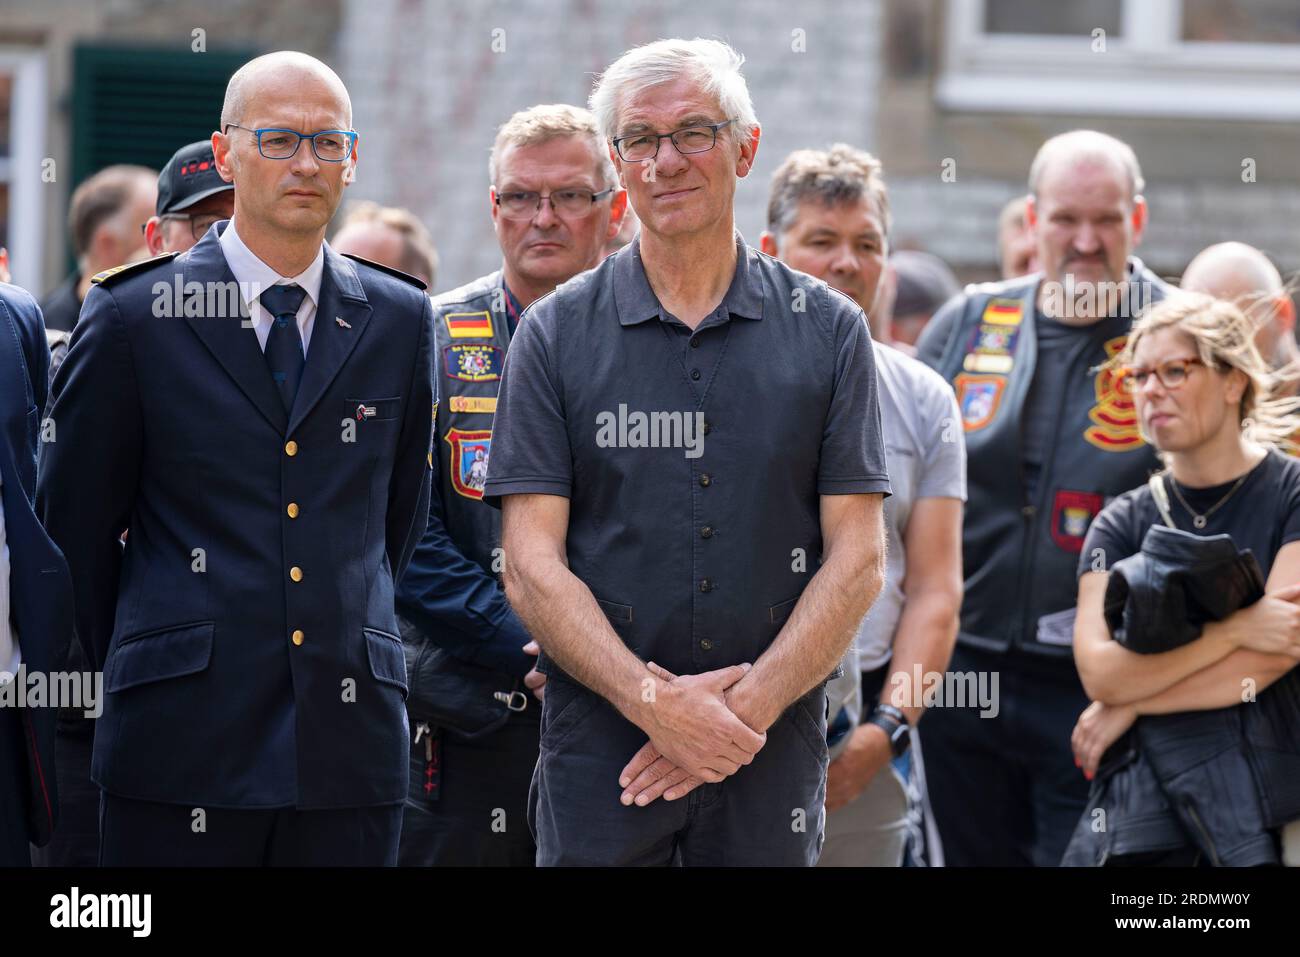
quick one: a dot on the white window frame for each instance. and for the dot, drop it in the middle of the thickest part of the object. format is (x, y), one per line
(21, 170)
(1149, 70)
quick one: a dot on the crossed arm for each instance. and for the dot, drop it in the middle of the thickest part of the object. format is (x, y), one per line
(699, 727)
(1256, 645)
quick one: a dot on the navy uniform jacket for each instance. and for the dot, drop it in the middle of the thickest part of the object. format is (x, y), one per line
(40, 591)
(450, 590)
(246, 631)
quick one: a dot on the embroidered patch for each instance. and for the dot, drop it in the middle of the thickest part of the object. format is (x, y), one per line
(1114, 419)
(990, 348)
(469, 460)
(469, 325)
(472, 362)
(1072, 513)
(978, 396)
(472, 403)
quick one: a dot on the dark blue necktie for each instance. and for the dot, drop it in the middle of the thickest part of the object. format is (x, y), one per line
(284, 356)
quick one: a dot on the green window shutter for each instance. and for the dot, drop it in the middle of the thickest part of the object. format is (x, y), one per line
(142, 104)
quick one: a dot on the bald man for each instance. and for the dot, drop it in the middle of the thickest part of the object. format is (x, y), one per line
(1049, 440)
(1244, 275)
(266, 441)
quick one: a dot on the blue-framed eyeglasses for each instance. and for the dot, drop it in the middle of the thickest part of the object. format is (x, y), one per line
(330, 146)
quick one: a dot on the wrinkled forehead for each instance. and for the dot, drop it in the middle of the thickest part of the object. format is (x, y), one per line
(667, 106)
(1090, 181)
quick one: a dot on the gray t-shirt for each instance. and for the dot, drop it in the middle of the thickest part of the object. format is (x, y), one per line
(926, 454)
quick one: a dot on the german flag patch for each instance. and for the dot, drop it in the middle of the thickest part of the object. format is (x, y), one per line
(469, 325)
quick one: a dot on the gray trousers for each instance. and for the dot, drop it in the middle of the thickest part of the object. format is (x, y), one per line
(770, 812)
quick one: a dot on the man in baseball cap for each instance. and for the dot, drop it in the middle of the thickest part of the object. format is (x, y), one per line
(191, 197)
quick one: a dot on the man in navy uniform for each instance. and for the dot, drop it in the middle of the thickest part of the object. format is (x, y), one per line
(265, 438)
(35, 590)
(554, 203)
(1049, 439)
(689, 459)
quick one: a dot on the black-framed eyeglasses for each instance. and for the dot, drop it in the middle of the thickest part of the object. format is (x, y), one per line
(639, 147)
(1172, 374)
(330, 146)
(200, 223)
(525, 203)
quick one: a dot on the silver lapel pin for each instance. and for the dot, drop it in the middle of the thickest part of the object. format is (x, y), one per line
(342, 324)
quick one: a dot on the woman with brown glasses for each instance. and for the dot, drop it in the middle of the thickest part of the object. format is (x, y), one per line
(1206, 400)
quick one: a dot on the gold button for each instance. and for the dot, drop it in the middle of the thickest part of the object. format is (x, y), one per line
(298, 637)
(292, 509)
(291, 448)
(295, 573)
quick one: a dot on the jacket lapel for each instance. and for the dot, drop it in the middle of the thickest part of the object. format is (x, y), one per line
(341, 319)
(233, 345)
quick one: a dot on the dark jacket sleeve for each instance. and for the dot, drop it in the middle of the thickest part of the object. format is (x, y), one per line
(90, 469)
(450, 598)
(408, 490)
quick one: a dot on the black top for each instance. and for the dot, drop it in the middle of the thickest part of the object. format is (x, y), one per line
(1262, 515)
(1057, 345)
(62, 306)
(693, 460)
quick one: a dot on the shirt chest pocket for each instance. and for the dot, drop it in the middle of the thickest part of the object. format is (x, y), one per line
(371, 424)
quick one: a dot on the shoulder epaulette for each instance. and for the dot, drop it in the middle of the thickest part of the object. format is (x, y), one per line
(129, 269)
(390, 270)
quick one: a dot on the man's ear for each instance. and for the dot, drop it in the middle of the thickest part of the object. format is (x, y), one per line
(224, 156)
(748, 152)
(153, 236)
(350, 174)
(1031, 212)
(617, 210)
(493, 208)
(1139, 219)
(1284, 313)
(767, 243)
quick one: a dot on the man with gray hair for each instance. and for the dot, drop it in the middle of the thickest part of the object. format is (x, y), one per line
(1050, 439)
(689, 461)
(554, 203)
(104, 219)
(1244, 276)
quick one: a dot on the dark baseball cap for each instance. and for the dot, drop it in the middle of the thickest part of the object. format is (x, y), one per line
(189, 176)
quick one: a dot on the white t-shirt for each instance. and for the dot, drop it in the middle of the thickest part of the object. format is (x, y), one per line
(925, 449)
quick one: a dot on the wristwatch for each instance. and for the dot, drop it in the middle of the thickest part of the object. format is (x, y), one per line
(894, 723)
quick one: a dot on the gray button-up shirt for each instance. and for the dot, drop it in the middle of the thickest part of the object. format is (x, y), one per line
(693, 460)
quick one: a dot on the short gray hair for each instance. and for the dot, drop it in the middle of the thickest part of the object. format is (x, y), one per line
(838, 175)
(548, 121)
(714, 64)
(1087, 145)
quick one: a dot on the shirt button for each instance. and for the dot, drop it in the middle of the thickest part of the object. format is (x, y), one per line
(295, 573)
(708, 427)
(705, 644)
(1028, 511)
(706, 531)
(292, 509)
(705, 480)
(298, 637)
(695, 374)
(706, 586)
(695, 343)
(291, 448)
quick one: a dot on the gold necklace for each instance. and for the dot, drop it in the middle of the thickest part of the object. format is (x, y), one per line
(1200, 520)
